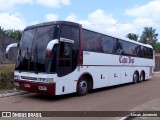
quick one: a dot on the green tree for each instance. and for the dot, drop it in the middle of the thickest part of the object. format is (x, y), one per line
(157, 47)
(16, 34)
(132, 36)
(149, 36)
(2, 31)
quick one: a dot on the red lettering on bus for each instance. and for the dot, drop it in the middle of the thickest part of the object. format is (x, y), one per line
(124, 60)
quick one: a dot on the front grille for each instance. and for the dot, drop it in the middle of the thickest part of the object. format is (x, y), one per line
(28, 78)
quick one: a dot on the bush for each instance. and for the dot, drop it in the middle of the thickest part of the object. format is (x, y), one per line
(6, 76)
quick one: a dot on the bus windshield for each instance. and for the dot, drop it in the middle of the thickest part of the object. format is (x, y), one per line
(32, 49)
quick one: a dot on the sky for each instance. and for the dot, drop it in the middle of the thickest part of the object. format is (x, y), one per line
(118, 17)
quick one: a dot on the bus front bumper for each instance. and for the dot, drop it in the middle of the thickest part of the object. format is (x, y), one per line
(35, 87)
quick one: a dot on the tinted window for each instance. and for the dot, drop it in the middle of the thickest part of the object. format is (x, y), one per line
(91, 41)
(134, 50)
(147, 52)
(70, 32)
(121, 47)
(142, 51)
(43, 36)
(150, 53)
(107, 44)
(96, 42)
(33, 48)
(138, 51)
(26, 42)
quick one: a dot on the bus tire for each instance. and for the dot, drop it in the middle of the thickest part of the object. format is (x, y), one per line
(142, 76)
(82, 86)
(135, 77)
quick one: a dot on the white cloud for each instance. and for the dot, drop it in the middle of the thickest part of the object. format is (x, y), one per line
(51, 17)
(150, 10)
(12, 21)
(147, 22)
(72, 17)
(147, 15)
(34, 22)
(53, 3)
(8, 4)
(100, 17)
(103, 22)
(65, 2)
(122, 29)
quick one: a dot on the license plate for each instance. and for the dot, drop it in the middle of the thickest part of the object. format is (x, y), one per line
(27, 85)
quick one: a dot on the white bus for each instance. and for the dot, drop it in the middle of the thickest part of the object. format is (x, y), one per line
(61, 57)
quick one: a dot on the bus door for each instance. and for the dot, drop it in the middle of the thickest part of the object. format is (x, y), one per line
(68, 50)
(65, 59)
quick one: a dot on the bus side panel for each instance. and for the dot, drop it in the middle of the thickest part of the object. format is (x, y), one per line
(62, 86)
(100, 76)
(125, 74)
(114, 76)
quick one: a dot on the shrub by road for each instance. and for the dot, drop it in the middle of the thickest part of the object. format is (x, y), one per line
(6, 76)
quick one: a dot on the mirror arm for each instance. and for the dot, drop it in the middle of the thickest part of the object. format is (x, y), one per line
(50, 47)
(9, 47)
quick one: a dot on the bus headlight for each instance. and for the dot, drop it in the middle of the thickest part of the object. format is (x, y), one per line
(16, 77)
(50, 80)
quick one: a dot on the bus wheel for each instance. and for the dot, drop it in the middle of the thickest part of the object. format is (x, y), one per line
(142, 78)
(135, 77)
(83, 87)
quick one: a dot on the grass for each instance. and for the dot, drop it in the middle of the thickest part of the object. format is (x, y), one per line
(6, 78)
(6, 65)
(8, 91)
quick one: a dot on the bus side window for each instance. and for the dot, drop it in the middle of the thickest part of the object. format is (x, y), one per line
(114, 49)
(145, 52)
(104, 45)
(138, 51)
(151, 53)
(119, 50)
(86, 45)
(142, 52)
(98, 43)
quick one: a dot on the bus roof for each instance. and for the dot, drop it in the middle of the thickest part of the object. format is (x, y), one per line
(52, 23)
(87, 28)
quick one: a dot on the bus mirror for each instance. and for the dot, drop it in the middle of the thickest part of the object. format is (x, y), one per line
(10, 46)
(50, 47)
